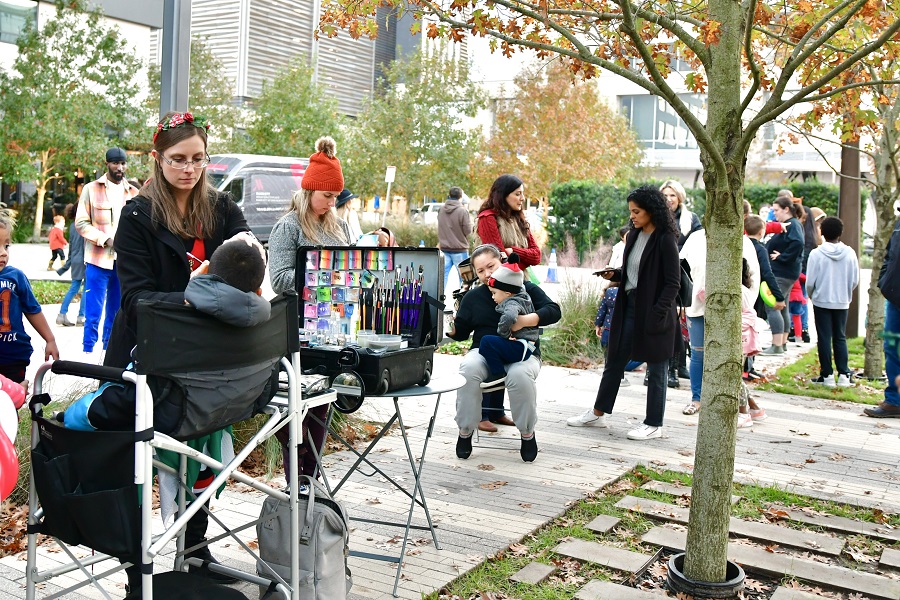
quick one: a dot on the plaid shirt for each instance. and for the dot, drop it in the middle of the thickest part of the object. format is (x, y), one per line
(96, 220)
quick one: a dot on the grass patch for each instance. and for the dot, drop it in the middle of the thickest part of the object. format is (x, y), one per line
(50, 292)
(795, 378)
(454, 347)
(490, 579)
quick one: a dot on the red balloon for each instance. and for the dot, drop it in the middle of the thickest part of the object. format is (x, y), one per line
(9, 466)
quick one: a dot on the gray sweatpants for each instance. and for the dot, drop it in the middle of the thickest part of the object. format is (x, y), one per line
(520, 381)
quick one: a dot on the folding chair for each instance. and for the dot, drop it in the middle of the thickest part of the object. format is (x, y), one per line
(193, 375)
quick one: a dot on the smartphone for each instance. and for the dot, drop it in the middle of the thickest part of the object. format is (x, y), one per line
(193, 261)
(602, 272)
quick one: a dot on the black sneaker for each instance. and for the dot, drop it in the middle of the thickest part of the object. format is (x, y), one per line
(647, 379)
(529, 449)
(792, 338)
(804, 335)
(463, 447)
(683, 373)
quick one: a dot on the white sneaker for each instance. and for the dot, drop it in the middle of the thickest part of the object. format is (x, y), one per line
(826, 381)
(588, 419)
(645, 432)
(624, 383)
(843, 380)
(744, 420)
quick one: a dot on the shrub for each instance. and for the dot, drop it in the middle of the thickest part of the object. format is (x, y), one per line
(572, 341)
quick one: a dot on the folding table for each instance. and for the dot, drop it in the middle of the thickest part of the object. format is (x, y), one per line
(437, 387)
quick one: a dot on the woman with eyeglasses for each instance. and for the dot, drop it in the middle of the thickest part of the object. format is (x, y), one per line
(168, 231)
(165, 236)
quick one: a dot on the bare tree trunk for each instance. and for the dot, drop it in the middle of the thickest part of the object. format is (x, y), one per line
(706, 553)
(886, 193)
(41, 193)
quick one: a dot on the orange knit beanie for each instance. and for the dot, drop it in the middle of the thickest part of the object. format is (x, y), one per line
(324, 170)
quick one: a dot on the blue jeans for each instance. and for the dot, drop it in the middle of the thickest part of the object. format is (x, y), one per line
(891, 351)
(498, 352)
(101, 286)
(452, 259)
(804, 316)
(73, 289)
(695, 326)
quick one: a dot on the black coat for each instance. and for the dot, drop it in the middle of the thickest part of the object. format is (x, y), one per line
(152, 265)
(889, 275)
(655, 317)
(765, 270)
(790, 246)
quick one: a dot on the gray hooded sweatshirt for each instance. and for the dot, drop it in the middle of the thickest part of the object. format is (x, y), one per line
(832, 273)
(210, 294)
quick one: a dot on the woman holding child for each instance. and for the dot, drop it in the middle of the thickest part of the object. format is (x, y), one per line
(164, 238)
(644, 322)
(478, 317)
(501, 222)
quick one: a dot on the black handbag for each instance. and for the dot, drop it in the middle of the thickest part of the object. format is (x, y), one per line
(686, 293)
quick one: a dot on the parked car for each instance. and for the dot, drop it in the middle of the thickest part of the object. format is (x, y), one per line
(428, 214)
(261, 185)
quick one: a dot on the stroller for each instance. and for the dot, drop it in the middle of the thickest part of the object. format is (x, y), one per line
(193, 375)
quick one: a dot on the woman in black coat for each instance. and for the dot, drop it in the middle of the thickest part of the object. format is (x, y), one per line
(786, 253)
(165, 236)
(644, 323)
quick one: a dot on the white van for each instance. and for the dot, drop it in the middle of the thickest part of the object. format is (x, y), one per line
(261, 185)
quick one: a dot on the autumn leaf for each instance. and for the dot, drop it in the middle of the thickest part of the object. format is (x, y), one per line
(493, 485)
(709, 32)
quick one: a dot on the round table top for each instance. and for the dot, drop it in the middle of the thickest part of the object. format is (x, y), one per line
(438, 385)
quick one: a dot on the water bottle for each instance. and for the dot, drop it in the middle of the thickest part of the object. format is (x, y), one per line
(421, 243)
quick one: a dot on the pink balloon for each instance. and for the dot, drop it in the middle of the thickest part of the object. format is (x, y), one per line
(9, 418)
(15, 390)
(9, 467)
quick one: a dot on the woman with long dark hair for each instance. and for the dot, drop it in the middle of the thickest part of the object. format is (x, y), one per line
(645, 323)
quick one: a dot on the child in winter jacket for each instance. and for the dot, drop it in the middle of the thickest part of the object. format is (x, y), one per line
(57, 241)
(797, 300)
(832, 273)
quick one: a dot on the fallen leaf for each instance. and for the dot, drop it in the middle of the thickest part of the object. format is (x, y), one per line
(493, 485)
(486, 467)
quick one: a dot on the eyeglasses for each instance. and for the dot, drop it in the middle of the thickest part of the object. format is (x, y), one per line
(181, 164)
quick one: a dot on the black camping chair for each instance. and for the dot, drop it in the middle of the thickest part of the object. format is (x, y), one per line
(193, 375)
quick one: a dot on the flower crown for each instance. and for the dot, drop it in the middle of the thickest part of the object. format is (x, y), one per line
(180, 120)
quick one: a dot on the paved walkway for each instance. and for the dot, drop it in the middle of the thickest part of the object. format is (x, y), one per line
(485, 503)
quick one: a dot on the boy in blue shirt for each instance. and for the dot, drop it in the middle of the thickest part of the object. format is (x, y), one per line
(16, 300)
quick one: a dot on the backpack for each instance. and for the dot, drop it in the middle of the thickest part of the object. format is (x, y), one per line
(324, 544)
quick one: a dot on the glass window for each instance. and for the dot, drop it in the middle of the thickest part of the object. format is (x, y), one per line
(656, 123)
(14, 16)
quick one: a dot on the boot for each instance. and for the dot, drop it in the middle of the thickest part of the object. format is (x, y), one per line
(805, 337)
(195, 533)
(63, 320)
(50, 265)
(673, 376)
(79, 321)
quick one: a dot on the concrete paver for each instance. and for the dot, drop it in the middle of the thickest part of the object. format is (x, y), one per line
(605, 590)
(603, 524)
(760, 560)
(674, 489)
(890, 558)
(783, 593)
(474, 522)
(533, 573)
(767, 532)
(608, 556)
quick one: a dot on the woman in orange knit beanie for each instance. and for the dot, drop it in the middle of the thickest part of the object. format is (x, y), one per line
(312, 220)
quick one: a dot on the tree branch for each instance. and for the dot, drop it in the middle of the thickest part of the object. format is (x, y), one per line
(751, 61)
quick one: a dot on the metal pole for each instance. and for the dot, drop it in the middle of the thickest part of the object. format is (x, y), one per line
(387, 205)
(175, 70)
(849, 213)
